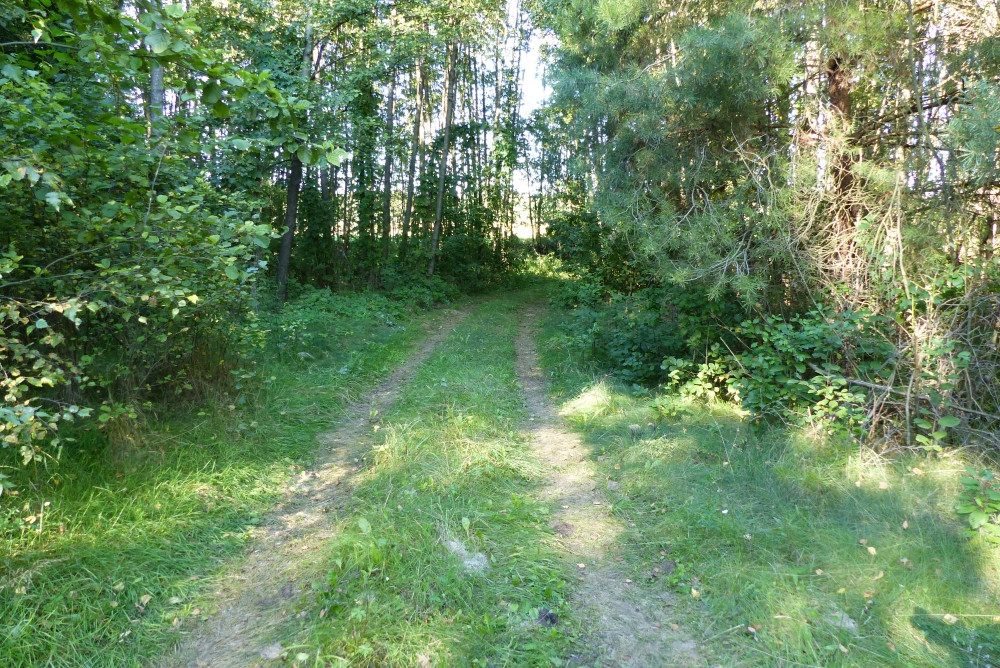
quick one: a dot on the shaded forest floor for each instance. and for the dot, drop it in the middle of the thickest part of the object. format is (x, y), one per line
(461, 487)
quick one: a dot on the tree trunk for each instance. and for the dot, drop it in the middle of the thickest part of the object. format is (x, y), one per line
(366, 195)
(846, 208)
(415, 146)
(292, 193)
(155, 95)
(155, 88)
(291, 211)
(387, 173)
(449, 114)
(425, 132)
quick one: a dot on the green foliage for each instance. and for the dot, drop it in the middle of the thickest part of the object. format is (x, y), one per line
(765, 157)
(126, 274)
(794, 369)
(976, 129)
(979, 503)
(416, 289)
(797, 367)
(633, 333)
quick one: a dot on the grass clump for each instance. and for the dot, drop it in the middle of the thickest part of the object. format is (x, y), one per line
(786, 546)
(442, 558)
(104, 557)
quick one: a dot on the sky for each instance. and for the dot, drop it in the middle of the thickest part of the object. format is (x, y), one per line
(534, 89)
(534, 92)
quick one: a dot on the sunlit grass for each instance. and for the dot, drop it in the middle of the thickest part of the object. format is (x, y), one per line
(443, 558)
(803, 549)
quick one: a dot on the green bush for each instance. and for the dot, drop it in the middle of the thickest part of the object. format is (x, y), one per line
(632, 334)
(796, 367)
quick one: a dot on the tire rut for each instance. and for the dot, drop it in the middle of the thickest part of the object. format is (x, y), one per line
(259, 595)
(628, 625)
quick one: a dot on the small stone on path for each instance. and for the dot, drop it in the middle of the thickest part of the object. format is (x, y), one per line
(271, 652)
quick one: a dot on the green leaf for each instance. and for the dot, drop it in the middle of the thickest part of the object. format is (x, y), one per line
(241, 144)
(11, 72)
(174, 11)
(41, 324)
(211, 93)
(232, 272)
(365, 527)
(158, 41)
(949, 421)
(220, 110)
(977, 518)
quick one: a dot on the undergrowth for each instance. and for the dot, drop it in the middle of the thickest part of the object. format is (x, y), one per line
(785, 546)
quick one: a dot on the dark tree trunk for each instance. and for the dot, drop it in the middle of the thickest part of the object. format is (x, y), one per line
(292, 193)
(291, 211)
(415, 147)
(845, 204)
(839, 90)
(387, 173)
(443, 172)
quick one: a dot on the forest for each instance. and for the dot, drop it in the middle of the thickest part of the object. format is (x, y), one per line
(323, 344)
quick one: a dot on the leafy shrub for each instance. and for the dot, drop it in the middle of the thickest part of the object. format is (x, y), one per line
(796, 367)
(979, 503)
(475, 262)
(633, 333)
(125, 272)
(414, 288)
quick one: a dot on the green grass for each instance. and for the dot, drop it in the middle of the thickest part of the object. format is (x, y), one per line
(444, 555)
(100, 555)
(772, 528)
(449, 480)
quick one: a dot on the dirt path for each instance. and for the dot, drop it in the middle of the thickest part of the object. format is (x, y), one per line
(629, 626)
(260, 594)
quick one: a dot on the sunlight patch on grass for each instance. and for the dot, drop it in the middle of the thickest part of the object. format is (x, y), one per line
(773, 530)
(452, 561)
(596, 401)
